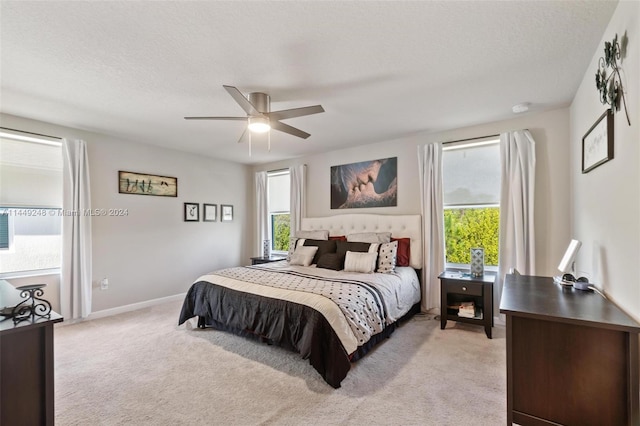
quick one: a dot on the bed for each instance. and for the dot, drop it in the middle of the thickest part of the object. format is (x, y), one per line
(331, 317)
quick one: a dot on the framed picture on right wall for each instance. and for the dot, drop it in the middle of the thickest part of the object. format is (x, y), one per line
(226, 213)
(597, 143)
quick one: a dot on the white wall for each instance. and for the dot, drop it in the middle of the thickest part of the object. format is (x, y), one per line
(152, 253)
(550, 131)
(606, 201)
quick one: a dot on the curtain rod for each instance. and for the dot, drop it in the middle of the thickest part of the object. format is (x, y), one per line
(471, 139)
(30, 133)
(286, 169)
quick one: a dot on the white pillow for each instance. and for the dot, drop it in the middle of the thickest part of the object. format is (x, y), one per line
(370, 237)
(313, 235)
(387, 257)
(303, 255)
(360, 262)
(293, 244)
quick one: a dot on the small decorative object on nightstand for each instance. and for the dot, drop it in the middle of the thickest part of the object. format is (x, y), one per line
(266, 259)
(477, 262)
(465, 298)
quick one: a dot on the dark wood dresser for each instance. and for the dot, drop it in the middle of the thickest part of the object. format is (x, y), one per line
(572, 356)
(26, 368)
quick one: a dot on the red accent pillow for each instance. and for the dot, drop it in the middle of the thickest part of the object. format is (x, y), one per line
(403, 257)
(338, 238)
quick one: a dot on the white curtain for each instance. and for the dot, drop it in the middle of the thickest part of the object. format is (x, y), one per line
(262, 211)
(517, 236)
(298, 201)
(76, 274)
(430, 169)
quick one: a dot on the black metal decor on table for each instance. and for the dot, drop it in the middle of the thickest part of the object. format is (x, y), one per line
(28, 309)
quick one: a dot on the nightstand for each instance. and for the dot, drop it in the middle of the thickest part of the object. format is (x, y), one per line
(457, 288)
(259, 259)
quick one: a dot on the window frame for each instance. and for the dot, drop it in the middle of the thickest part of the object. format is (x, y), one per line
(271, 223)
(271, 214)
(468, 144)
(29, 138)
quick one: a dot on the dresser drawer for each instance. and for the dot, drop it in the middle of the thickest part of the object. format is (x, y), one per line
(462, 287)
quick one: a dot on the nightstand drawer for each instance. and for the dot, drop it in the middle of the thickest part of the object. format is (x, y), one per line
(461, 287)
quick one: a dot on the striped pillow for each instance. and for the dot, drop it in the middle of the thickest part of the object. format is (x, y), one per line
(360, 262)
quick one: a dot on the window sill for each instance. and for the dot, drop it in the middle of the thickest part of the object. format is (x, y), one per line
(458, 267)
(27, 274)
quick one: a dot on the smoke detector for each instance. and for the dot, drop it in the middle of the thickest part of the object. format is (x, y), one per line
(520, 108)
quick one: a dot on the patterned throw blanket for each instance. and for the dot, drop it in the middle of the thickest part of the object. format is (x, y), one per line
(360, 302)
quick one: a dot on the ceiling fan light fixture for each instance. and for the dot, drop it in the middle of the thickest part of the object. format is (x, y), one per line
(259, 124)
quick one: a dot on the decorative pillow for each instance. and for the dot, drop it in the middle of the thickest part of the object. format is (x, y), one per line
(404, 251)
(342, 247)
(314, 235)
(303, 255)
(387, 257)
(331, 261)
(360, 262)
(324, 246)
(370, 237)
(338, 238)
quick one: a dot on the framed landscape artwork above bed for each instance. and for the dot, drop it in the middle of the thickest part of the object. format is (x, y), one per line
(144, 184)
(365, 184)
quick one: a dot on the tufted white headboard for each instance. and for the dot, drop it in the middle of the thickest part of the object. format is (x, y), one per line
(400, 226)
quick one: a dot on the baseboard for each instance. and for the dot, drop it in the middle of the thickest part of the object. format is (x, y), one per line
(126, 308)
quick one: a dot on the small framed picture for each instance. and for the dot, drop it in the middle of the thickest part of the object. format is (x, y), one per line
(191, 212)
(226, 213)
(210, 212)
(597, 144)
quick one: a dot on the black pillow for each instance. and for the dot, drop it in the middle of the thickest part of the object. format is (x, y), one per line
(324, 247)
(331, 261)
(342, 247)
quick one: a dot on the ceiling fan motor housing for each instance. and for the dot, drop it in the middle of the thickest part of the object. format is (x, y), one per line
(260, 101)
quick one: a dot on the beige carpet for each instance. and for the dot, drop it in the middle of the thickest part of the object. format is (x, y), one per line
(141, 368)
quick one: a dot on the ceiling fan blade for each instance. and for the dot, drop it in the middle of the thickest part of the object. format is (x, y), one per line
(216, 118)
(247, 106)
(295, 112)
(245, 136)
(289, 129)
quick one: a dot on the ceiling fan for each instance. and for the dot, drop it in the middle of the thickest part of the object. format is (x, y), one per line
(260, 118)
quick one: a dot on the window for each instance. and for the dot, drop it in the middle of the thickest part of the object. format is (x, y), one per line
(471, 185)
(30, 205)
(279, 184)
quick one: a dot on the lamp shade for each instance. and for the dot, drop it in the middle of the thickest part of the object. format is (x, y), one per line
(566, 264)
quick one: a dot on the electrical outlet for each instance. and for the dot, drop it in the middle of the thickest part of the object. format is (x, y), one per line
(104, 284)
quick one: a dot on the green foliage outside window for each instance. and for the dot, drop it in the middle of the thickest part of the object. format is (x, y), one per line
(281, 230)
(465, 228)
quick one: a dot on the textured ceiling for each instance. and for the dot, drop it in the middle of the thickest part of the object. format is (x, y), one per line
(381, 70)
